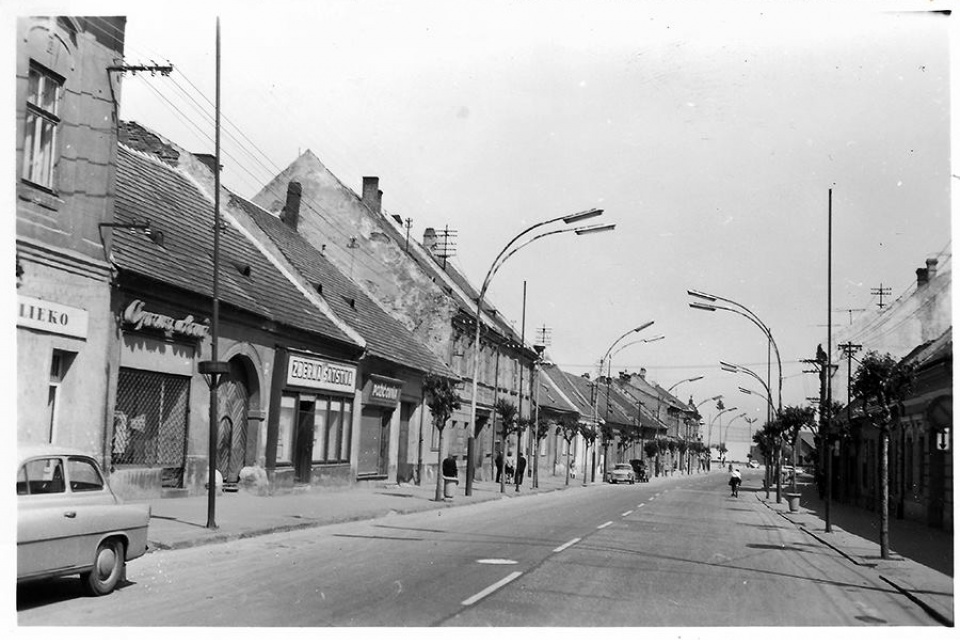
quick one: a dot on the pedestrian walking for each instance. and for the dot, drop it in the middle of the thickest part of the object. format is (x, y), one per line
(498, 461)
(521, 469)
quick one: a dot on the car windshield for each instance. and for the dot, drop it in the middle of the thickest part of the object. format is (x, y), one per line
(624, 467)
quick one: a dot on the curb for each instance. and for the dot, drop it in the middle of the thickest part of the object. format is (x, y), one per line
(419, 507)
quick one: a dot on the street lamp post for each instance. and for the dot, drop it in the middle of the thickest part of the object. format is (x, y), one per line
(596, 399)
(720, 428)
(508, 250)
(739, 309)
(609, 364)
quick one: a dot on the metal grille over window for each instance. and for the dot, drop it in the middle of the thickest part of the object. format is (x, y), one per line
(150, 422)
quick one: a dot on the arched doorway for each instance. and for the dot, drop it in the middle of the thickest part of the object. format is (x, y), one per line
(233, 400)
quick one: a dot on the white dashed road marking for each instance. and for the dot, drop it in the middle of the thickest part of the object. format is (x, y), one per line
(567, 545)
(496, 585)
(605, 524)
(626, 513)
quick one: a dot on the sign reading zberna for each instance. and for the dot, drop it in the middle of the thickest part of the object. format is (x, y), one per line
(321, 374)
(51, 317)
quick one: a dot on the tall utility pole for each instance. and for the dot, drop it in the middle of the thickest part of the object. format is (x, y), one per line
(213, 367)
(828, 367)
(849, 349)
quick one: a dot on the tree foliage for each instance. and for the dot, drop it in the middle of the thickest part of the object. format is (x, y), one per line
(442, 399)
(793, 419)
(882, 383)
(568, 428)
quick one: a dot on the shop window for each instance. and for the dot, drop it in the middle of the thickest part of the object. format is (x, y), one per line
(59, 364)
(331, 432)
(150, 420)
(44, 91)
(288, 412)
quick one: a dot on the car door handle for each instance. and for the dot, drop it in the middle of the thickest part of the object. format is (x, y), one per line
(70, 514)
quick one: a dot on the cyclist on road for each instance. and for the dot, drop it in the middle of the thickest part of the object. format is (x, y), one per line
(734, 481)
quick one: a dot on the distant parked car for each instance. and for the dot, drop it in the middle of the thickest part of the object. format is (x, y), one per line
(753, 464)
(70, 522)
(622, 472)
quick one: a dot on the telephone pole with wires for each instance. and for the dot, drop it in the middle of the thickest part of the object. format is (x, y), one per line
(446, 246)
(543, 336)
(880, 291)
(849, 349)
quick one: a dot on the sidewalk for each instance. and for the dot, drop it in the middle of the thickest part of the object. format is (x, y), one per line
(177, 523)
(921, 558)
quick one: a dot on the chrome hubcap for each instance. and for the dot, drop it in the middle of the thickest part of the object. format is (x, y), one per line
(106, 562)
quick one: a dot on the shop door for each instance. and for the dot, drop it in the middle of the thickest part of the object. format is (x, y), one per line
(374, 439)
(405, 465)
(233, 400)
(303, 448)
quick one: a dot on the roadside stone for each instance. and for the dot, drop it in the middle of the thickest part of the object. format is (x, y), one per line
(254, 480)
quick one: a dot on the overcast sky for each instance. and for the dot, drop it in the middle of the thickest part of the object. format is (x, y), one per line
(711, 138)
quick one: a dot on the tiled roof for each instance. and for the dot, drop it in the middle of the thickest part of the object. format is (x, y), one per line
(551, 396)
(386, 338)
(174, 204)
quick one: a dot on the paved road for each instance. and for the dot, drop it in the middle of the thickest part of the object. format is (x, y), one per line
(679, 553)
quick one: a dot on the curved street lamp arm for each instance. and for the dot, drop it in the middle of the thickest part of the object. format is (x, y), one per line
(634, 330)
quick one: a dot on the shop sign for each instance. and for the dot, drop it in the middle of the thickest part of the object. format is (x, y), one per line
(51, 317)
(135, 317)
(321, 374)
(382, 391)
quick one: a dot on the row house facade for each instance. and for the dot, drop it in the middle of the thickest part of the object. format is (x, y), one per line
(916, 329)
(420, 289)
(324, 386)
(65, 188)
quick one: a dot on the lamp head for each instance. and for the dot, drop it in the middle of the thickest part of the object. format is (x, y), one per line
(596, 228)
(702, 307)
(582, 215)
(643, 326)
(701, 294)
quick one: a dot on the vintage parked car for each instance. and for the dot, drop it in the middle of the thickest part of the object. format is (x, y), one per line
(70, 522)
(753, 464)
(622, 472)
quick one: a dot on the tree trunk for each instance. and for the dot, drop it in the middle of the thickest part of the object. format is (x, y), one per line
(535, 482)
(884, 495)
(439, 493)
(566, 470)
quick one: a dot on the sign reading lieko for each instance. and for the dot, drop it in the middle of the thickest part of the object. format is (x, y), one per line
(320, 374)
(51, 317)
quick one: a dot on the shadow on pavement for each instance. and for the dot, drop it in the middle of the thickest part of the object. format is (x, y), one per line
(914, 540)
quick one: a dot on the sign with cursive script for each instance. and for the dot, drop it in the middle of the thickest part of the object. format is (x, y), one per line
(321, 374)
(137, 318)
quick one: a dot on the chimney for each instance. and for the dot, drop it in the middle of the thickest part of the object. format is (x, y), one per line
(429, 239)
(931, 268)
(290, 215)
(643, 373)
(923, 277)
(372, 195)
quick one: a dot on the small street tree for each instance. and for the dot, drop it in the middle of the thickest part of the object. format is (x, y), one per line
(792, 420)
(589, 434)
(651, 450)
(568, 428)
(882, 383)
(542, 431)
(442, 399)
(508, 418)
(607, 434)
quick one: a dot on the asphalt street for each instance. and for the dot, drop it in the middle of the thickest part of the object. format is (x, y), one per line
(682, 553)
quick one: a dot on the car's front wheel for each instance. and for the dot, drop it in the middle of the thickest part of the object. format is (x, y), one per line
(107, 569)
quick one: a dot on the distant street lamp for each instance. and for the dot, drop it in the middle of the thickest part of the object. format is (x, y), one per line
(693, 379)
(710, 427)
(596, 399)
(739, 309)
(508, 250)
(736, 368)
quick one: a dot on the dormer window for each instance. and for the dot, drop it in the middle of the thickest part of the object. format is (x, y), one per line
(44, 92)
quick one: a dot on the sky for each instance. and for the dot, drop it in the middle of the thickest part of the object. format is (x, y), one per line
(710, 133)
